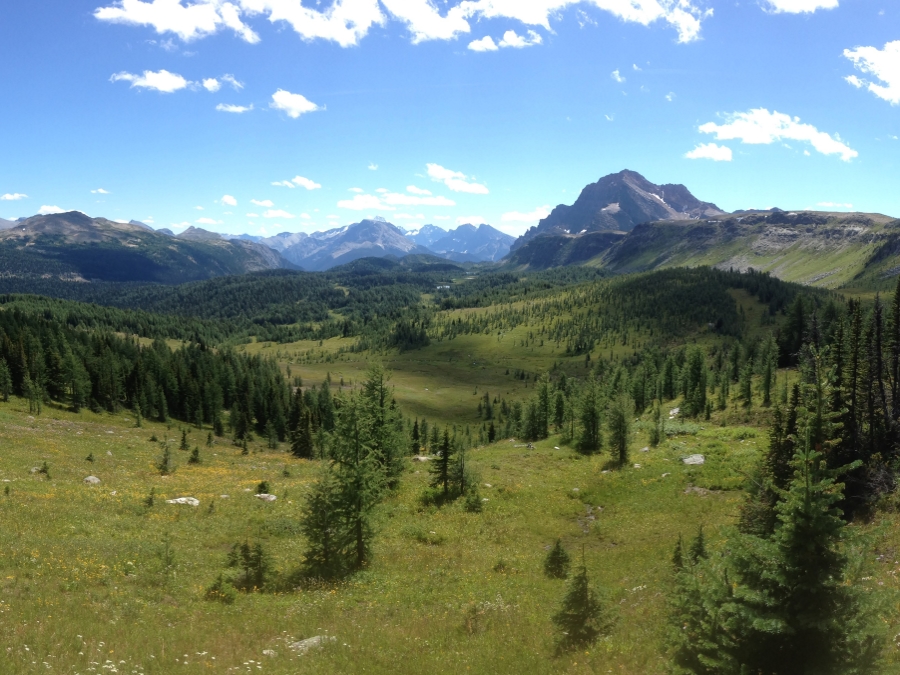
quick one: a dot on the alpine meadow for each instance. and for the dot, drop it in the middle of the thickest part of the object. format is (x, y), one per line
(335, 424)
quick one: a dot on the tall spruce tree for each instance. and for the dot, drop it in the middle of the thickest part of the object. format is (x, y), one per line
(591, 435)
(441, 467)
(621, 412)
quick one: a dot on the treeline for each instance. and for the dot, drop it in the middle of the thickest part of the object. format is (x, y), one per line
(47, 361)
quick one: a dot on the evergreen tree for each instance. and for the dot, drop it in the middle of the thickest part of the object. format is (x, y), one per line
(302, 438)
(5, 381)
(323, 526)
(184, 441)
(621, 413)
(416, 446)
(591, 438)
(441, 467)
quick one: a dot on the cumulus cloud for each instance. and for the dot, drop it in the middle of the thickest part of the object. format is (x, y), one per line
(412, 189)
(212, 84)
(759, 126)
(188, 22)
(293, 105)
(454, 180)
(162, 80)
(800, 6)
(471, 220)
(12, 197)
(717, 153)
(99, 191)
(617, 76)
(208, 221)
(238, 109)
(512, 39)
(300, 181)
(363, 203)
(346, 22)
(228, 200)
(485, 44)
(265, 202)
(539, 213)
(882, 65)
(49, 210)
(373, 167)
(277, 213)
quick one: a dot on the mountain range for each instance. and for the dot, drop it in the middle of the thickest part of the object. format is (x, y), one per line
(622, 223)
(76, 247)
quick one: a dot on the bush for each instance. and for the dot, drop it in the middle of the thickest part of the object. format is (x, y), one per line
(222, 591)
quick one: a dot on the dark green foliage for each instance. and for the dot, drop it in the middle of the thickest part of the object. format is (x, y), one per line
(45, 470)
(90, 458)
(263, 488)
(620, 413)
(195, 456)
(591, 436)
(556, 564)
(184, 441)
(254, 565)
(441, 467)
(581, 618)
(165, 465)
(150, 499)
(323, 527)
(6, 383)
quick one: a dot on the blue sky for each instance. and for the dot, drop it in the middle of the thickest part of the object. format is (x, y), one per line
(264, 116)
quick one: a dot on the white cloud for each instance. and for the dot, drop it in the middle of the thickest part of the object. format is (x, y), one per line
(881, 64)
(717, 153)
(12, 197)
(373, 167)
(305, 216)
(99, 191)
(470, 220)
(442, 217)
(346, 22)
(635, 67)
(162, 81)
(228, 200)
(610, 118)
(800, 6)
(208, 221)
(300, 181)
(406, 216)
(759, 126)
(229, 108)
(456, 181)
(277, 213)
(211, 84)
(265, 202)
(190, 22)
(412, 189)
(617, 76)
(485, 44)
(835, 205)
(235, 84)
(199, 208)
(382, 191)
(49, 210)
(253, 215)
(539, 213)
(293, 105)
(357, 190)
(364, 202)
(512, 39)
(670, 96)
(283, 183)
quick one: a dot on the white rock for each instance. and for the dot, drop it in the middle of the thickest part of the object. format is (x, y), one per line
(485, 499)
(666, 474)
(421, 458)
(113, 493)
(556, 447)
(645, 449)
(224, 496)
(637, 466)
(269, 652)
(266, 498)
(694, 459)
(575, 490)
(109, 453)
(488, 485)
(190, 501)
(316, 642)
(92, 480)
(674, 411)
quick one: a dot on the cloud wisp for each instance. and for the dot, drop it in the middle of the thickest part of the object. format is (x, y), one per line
(880, 64)
(761, 127)
(12, 197)
(162, 80)
(236, 109)
(538, 214)
(455, 180)
(713, 151)
(799, 6)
